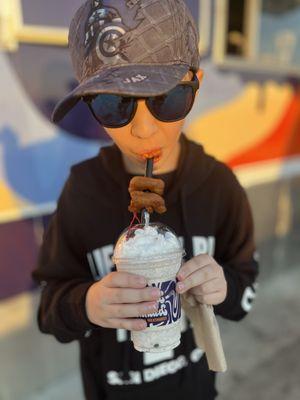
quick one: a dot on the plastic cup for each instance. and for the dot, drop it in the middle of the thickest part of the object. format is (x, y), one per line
(163, 330)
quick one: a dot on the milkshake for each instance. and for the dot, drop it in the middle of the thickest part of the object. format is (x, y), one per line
(154, 251)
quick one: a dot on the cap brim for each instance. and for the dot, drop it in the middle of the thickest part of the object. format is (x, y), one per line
(134, 80)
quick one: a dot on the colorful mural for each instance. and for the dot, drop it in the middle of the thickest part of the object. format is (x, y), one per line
(35, 156)
(260, 123)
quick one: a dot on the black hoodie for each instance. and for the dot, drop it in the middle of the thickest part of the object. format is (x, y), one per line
(207, 208)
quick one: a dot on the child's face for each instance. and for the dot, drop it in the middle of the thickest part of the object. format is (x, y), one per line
(146, 134)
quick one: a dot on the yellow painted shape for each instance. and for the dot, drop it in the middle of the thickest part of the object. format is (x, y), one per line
(233, 128)
(12, 207)
(13, 30)
(43, 35)
(10, 23)
(16, 314)
(8, 199)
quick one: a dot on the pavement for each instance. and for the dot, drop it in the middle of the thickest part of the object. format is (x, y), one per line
(262, 351)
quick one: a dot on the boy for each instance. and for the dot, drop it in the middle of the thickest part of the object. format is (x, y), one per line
(138, 64)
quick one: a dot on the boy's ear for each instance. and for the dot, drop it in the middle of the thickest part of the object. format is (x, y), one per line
(200, 74)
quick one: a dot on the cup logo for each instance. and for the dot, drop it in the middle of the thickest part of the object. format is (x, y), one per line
(169, 310)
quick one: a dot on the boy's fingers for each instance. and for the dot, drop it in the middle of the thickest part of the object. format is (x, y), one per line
(211, 299)
(195, 263)
(128, 324)
(121, 296)
(131, 310)
(209, 287)
(124, 280)
(195, 279)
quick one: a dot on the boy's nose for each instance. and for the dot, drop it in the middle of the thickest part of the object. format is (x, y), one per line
(143, 123)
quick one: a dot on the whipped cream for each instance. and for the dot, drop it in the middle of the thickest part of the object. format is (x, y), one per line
(147, 242)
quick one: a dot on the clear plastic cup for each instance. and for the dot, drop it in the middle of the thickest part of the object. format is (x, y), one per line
(155, 252)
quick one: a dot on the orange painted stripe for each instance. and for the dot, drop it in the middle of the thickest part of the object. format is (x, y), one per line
(284, 141)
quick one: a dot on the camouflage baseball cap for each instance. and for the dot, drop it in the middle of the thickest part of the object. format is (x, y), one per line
(132, 47)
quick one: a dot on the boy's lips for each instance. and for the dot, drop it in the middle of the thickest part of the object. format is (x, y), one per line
(156, 154)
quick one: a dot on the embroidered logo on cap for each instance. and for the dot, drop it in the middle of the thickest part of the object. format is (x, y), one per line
(106, 27)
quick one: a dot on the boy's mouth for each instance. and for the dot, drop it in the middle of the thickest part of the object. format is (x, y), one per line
(156, 154)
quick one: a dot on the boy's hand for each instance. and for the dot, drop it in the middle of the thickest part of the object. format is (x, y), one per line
(119, 299)
(203, 277)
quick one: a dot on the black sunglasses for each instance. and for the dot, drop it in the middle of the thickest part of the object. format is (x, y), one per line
(115, 111)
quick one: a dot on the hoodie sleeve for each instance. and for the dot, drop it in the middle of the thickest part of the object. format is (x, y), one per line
(235, 249)
(63, 273)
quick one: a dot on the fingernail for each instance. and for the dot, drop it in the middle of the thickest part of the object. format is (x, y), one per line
(180, 286)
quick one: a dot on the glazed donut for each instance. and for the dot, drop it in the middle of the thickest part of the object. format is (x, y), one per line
(140, 183)
(151, 200)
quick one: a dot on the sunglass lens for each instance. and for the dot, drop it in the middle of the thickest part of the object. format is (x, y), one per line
(173, 106)
(112, 110)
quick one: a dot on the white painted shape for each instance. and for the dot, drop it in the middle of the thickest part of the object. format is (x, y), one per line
(107, 252)
(99, 262)
(247, 299)
(211, 245)
(256, 256)
(121, 335)
(200, 245)
(92, 266)
(30, 125)
(183, 322)
(181, 239)
(153, 358)
(196, 355)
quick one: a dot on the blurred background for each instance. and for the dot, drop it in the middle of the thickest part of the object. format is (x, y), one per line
(247, 115)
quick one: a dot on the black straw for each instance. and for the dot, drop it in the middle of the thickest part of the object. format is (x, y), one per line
(148, 174)
(149, 167)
